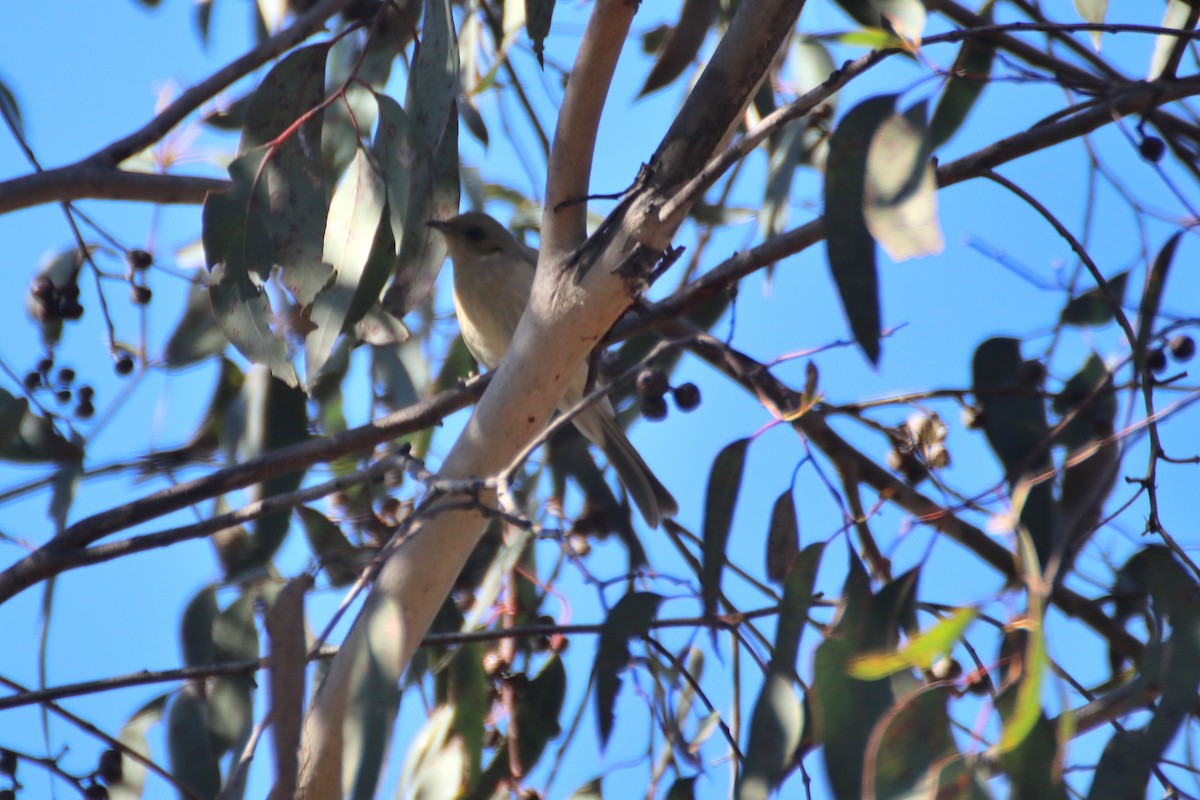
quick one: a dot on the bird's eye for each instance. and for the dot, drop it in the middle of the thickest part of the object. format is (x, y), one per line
(474, 234)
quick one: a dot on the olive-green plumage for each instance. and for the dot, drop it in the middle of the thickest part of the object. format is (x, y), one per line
(493, 277)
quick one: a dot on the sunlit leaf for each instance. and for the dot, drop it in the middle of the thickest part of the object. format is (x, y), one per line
(358, 245)
(1176, 17)
(900, 196)
(1093, 11)
(133, 736)
(921, 651)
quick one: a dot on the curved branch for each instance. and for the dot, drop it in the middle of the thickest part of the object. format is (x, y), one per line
(33, 567)
(98, 175)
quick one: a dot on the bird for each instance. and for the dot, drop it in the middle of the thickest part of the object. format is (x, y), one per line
(493, 277)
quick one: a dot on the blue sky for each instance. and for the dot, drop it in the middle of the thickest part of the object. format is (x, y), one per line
(90, 73)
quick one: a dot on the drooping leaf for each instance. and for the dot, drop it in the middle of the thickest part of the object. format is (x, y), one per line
(1129, 759)
(1176, 16)
(196, 629)
(433, 765)
(906, 744)
(196, 336)
(26, 437)
(340, 560)
(276, 416)
(1007, 389)
(968, 76)
(682, 44)
(538, 14)
(11, 110)
(286, 633)
(1092, 11)
(783, 537)
(592, 790)
(796, 602)
(848, 241)
(864, 12)
(1152, 296)
(900, 197)
(194, 763)
(236, 234)
(1091, 399)
(846, 709)
(775, 730)
(631, 617)
(53, 294)
(133, 736)
(724, 485)
(359, 247)
(434, 181)
(1095, 306)
(284, 117)
(395, 154)
(682, 789)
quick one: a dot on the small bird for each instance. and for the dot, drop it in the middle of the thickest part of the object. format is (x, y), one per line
(493, 277)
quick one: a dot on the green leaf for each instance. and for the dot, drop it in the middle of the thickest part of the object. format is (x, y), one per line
(293, 169)
(775, 730)
(196, 336)
(395, 154)
(1007, 390)
(907, 743)
(682, 45)
(359, 247)
(631, 617)
(900, 196)
(236, 234)
(682, 789)
(1095, 307)
(848, 241)
(26, 437)
(537, 24)
(133, 736)
(433, 766)
(864, 12)
(1152, 297)
(434, 181)
(287, 634)
(194, 763)
(340, 560)
(11, 110)
(921, 651)
(196, 629)
(968, 76)
(1092, 417)
(795, 605)
(724, 484)
(276, 417)
(592, 790)
(846, 709)
(783, 537)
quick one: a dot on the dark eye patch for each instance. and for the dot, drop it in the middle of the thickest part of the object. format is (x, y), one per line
(474, 234)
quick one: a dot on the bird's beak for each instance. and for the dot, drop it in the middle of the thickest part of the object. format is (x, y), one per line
(438, 224)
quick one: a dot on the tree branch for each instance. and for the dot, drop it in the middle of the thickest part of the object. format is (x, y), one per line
(99, 175)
